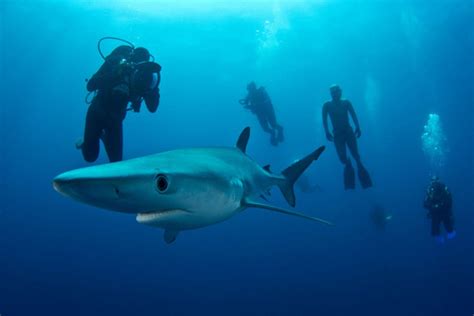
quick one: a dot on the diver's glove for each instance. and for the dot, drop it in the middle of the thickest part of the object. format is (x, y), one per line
(357, 132)
(136, 105)
(440, 239)
(243, 102)
(329, 137)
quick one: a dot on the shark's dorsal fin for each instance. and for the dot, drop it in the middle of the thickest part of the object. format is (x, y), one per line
(170, 235)
(248, 203)
(243, 139)
(267, 168)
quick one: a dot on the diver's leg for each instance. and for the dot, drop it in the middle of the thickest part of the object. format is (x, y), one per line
(436, 228)
(273, 123)
(349, 176)
(448, 222)
(352, 144)
(340, 143)
(264, 123)
(92, 132)
(364, 177)
(113, 140)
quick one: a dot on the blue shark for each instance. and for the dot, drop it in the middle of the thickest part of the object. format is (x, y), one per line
(185, 189)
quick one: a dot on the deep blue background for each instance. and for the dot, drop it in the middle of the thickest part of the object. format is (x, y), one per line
(58, 257)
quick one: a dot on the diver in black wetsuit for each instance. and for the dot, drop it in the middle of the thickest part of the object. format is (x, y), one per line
(380, 217)
(439, 203)
(305, 186)
(258, 101)
(343, 135)
(127, 76)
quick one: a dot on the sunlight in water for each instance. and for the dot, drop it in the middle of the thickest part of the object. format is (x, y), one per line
(434, 143)
(197, 7)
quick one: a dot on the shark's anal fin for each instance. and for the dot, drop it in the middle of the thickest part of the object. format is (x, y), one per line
(243, 139)
(170, 235)
(247, 203)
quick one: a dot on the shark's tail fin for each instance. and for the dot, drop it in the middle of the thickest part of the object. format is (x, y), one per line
(293, 172)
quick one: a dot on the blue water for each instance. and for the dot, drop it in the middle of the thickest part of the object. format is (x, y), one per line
(397, 61)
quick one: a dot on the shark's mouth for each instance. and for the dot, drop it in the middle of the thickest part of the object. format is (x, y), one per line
(153, 217)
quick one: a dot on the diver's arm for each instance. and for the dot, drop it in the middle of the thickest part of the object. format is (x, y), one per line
(136, 104)
(105, 75)
(426, 203)
(325, 117)
(354, 118)
(245, 101)
(353, 114)
(325, 122)
(265, 96)
(449, 200)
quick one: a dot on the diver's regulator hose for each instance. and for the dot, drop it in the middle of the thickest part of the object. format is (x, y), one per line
(99, 43)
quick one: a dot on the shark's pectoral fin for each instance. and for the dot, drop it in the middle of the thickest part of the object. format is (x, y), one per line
(247, 203)
(170, 235)
(243, 139)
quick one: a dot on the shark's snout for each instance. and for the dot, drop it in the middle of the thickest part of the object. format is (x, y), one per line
(62, 184)
(57, 185)
(97, 192)
(107, 188)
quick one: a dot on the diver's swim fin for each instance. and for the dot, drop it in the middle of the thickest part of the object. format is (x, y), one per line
(349, 177)
(273, 140)
(364, 177)
(281, 137)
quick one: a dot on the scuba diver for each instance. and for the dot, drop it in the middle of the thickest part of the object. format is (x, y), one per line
(126, 76)
(380, 217)
(439, 203)
(305, 186)
(343, 135)
(258, 101)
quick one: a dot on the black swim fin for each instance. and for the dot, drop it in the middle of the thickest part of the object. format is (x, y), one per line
(273, 140)
(364, 177)
(349, 177)
(281, 137)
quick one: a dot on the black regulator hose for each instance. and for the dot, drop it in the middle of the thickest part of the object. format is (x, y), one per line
(112, 38)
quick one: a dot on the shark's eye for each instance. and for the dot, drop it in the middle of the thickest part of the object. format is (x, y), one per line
(161, 183)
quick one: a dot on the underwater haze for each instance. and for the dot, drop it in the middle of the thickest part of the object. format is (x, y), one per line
(406, 66)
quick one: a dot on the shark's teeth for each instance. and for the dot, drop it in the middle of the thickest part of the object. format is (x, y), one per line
(144, 218)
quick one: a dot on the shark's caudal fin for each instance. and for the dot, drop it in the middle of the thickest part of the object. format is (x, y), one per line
(293, 172)
(243, 139)
(247, 203)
